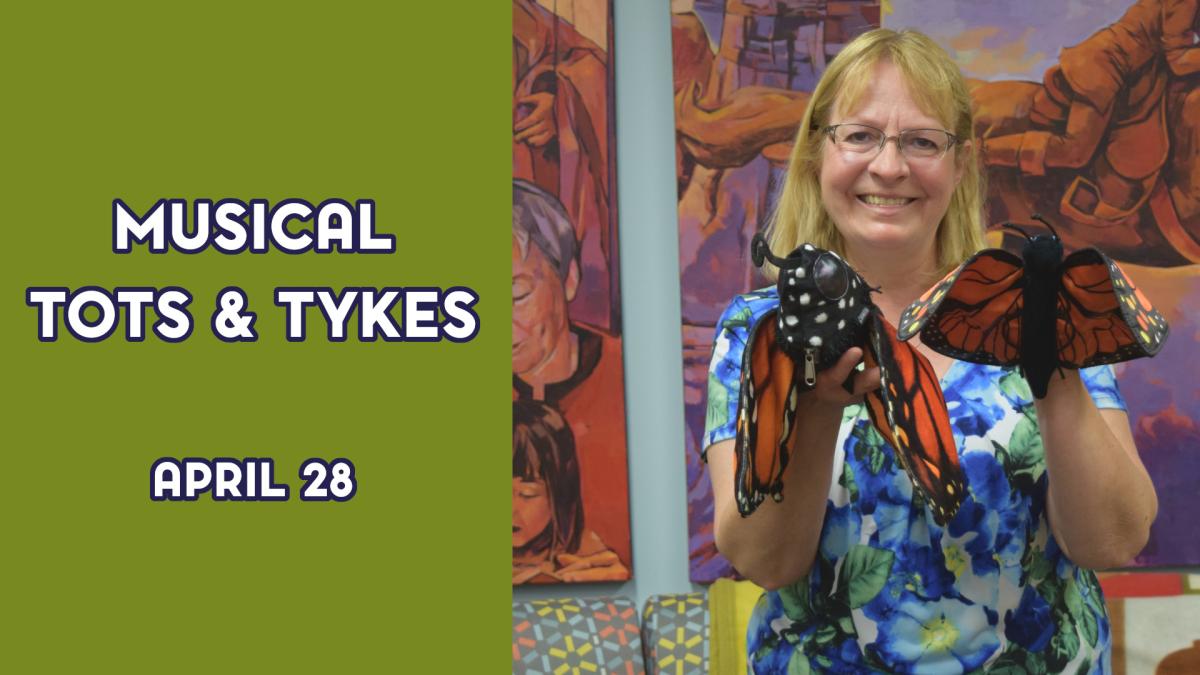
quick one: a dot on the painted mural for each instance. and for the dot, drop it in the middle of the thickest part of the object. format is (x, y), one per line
(1088, 113)
(570, 469)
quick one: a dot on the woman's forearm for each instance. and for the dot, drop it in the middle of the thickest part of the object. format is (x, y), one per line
(776, 545)
(1101, 501)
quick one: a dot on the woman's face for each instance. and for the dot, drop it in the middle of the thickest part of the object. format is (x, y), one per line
(531, 510)
(885, 201)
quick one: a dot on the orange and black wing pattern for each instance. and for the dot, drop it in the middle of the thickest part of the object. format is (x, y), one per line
(766, 417)
(1102, 317)
(909, 410)
(974, 313)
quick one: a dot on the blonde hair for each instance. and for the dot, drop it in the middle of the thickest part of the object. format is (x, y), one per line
(938, 87)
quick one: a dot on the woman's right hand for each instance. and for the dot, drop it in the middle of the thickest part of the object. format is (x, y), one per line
(830, 390)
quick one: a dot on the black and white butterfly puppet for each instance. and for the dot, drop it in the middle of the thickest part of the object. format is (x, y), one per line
(825, 308)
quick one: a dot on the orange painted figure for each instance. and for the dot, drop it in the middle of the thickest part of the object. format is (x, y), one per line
(573, 366)
(550, 540)
(561, 141)
(1109, 142)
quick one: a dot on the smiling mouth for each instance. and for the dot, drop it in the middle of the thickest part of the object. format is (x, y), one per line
(876, 200)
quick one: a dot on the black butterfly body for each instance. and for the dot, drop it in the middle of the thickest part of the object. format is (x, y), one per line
(1041, 255)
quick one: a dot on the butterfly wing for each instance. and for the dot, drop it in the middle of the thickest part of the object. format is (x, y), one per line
(1102, 317)
(766, 417)
(910, 411)
(974, 313)
(916, 315)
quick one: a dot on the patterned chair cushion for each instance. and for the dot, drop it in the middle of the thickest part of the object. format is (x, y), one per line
(598, 635)
(675, 634)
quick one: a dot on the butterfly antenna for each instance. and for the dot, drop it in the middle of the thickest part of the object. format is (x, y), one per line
(1038, 217)
(1010, 226)
(760, 251)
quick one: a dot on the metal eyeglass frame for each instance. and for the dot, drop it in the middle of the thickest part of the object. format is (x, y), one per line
(829, 130)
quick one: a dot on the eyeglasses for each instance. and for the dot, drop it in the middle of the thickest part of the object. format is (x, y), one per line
(860, 139)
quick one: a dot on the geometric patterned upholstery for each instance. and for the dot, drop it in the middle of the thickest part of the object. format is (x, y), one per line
(675, 634)
(573, 636)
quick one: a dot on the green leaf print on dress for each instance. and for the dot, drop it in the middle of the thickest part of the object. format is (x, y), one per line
(865, 572)
(717, 412)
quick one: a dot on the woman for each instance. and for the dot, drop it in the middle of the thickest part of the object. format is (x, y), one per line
(549, 540)
(860, 579)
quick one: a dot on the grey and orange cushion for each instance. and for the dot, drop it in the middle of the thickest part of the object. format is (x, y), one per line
(597, 635)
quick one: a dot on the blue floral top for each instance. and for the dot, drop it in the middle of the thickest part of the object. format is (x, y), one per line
(891, 591)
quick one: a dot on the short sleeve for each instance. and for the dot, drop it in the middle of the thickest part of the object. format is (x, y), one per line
(1101, 383)
(724, 374)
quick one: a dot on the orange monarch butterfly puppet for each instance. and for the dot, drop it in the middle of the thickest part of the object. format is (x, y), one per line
(824, 309)
(1040, 311)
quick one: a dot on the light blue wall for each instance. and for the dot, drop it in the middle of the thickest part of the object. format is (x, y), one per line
(649, 244)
